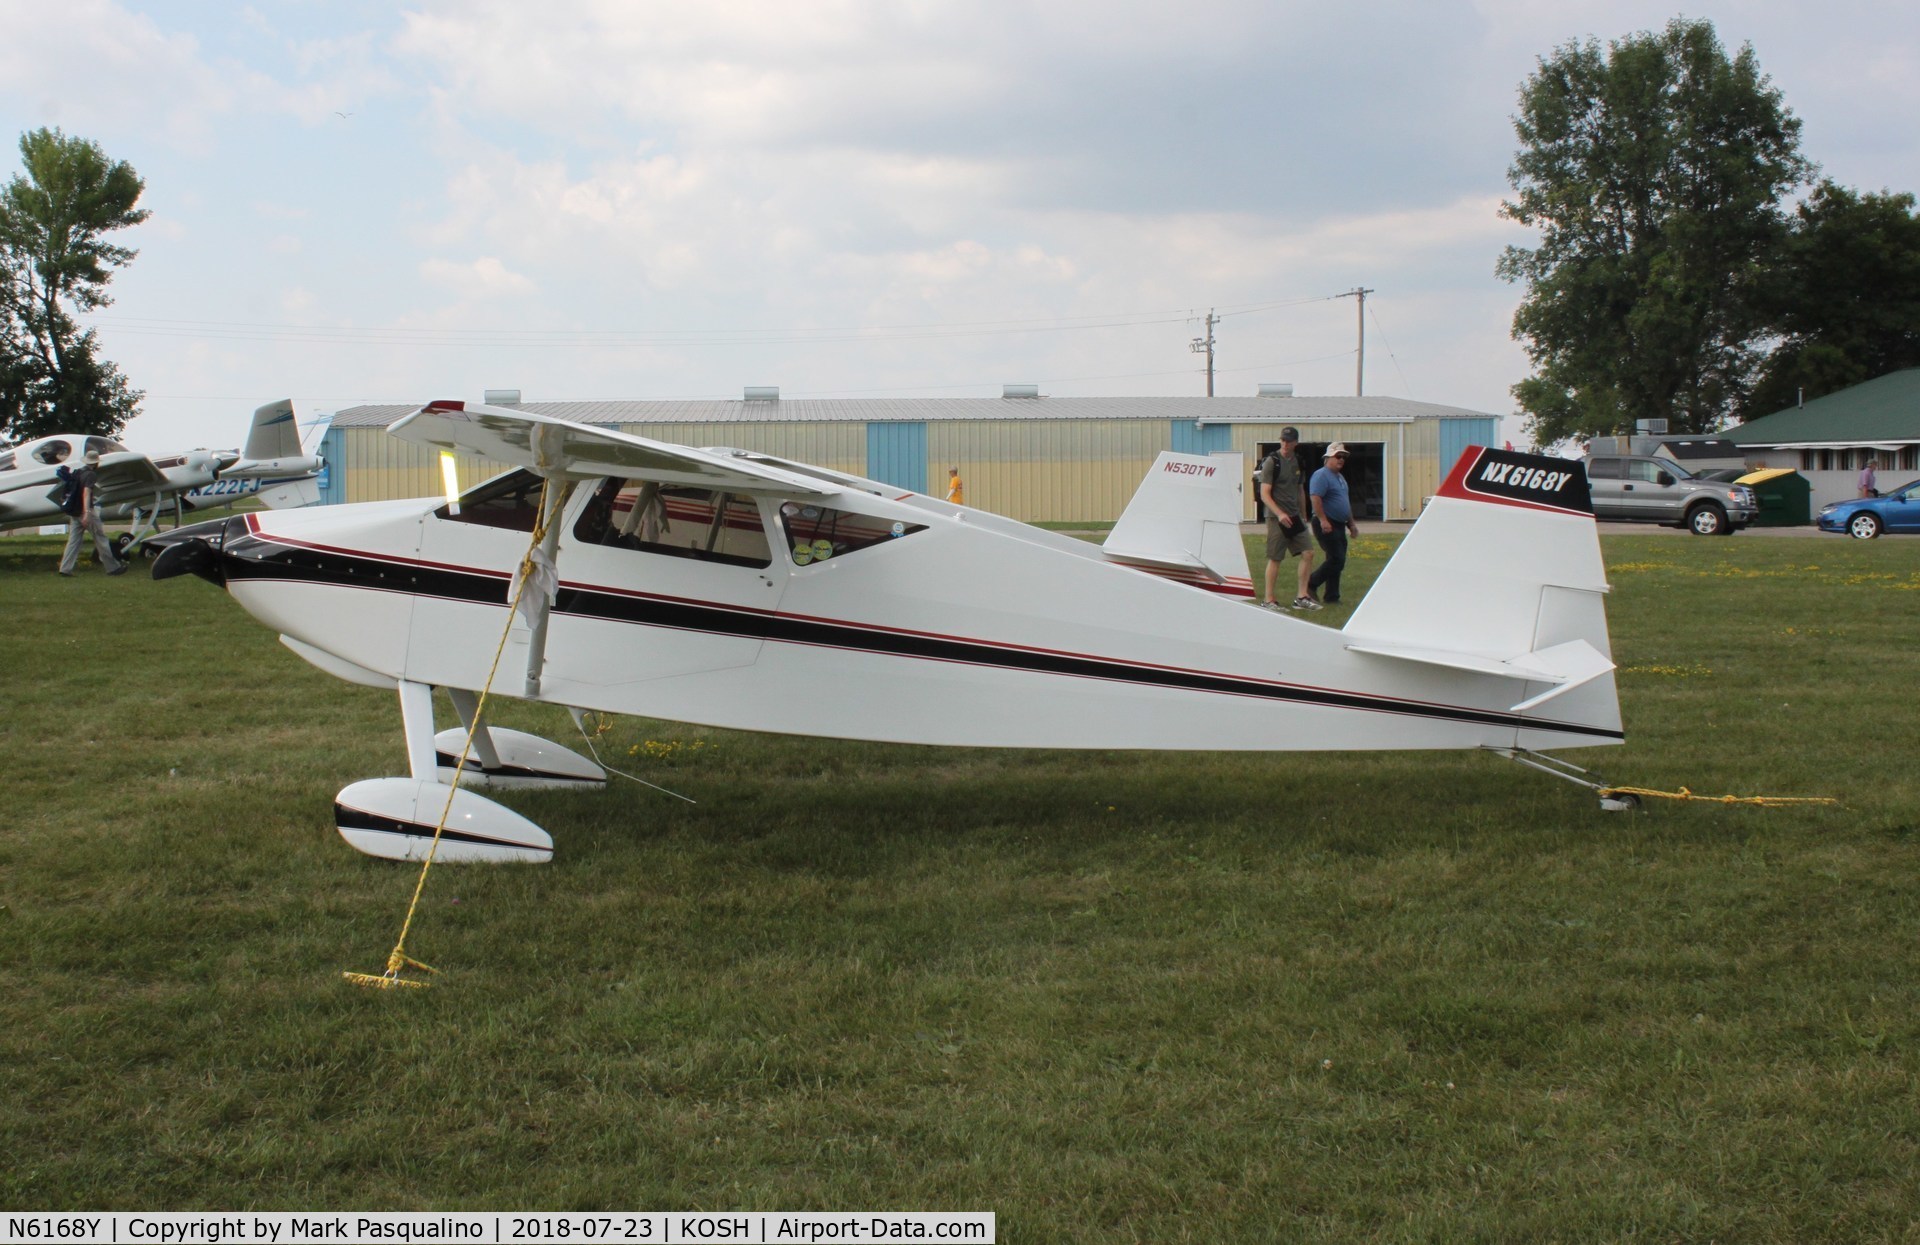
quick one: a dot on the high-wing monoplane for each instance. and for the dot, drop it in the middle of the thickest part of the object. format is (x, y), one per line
(740, 590)
(138, 486)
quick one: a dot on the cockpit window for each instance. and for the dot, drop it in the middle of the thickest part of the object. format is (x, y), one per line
(696, 523)
(53, 452)
(510, 501)
(104, 445)
(817, 533)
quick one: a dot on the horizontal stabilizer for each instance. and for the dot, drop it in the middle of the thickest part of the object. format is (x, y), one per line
(290, 495)
(558, 448)
(1565, 666)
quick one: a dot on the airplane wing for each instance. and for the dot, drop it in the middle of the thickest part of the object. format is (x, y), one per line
(126, 476)
(558, 448)
(25, 494)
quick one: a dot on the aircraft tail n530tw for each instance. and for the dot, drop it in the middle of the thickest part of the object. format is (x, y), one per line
(1184, 523)
(1502, 575)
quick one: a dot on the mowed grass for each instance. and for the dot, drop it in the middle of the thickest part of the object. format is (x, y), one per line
(1110, 996)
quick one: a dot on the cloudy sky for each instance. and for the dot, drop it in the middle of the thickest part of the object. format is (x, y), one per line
(355, 201)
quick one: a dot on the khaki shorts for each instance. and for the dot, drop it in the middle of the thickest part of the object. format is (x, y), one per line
(1281, 539)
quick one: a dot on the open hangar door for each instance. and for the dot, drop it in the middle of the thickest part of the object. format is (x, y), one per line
(1366, 474)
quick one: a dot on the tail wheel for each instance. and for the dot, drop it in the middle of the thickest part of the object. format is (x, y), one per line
(1864, 526)
(1708, 520)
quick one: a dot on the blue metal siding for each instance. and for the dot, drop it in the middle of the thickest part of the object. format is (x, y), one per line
(1457, 434)
(897, 454)
(1203, 439)
(333, 476)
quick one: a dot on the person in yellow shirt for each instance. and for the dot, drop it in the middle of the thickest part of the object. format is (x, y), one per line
(956, 488)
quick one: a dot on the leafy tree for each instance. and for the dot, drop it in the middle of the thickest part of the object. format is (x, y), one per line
(55, 261)
(1653, 170)
(1846, 297)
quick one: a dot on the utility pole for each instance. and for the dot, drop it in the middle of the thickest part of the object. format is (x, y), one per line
(1360, 352)
(1204, 345)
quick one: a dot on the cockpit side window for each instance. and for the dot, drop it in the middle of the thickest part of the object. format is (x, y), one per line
(510, 501)
(817, 533)
(702, 524)
(53, 452)
(104, 445)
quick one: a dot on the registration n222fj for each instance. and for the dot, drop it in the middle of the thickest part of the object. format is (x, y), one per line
(739, 590)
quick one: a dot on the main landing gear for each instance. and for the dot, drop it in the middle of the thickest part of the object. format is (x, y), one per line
(397, 818)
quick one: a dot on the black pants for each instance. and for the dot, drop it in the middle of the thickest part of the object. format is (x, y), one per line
(1333, 545)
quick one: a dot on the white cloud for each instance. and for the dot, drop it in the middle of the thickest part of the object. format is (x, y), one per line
(482, 278)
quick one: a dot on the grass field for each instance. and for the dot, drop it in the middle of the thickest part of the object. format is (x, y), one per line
(1109, 996)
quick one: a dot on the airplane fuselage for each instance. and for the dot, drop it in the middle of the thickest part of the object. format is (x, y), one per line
(927, 624)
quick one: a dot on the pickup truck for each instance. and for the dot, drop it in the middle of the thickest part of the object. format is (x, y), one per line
(1633, 488)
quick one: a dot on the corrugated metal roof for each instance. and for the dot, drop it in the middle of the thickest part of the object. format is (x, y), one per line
(868, 410)
(1884, 409)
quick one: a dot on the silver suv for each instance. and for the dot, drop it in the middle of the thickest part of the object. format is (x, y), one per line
(1634, 488)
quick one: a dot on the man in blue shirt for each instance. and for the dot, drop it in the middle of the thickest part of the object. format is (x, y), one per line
(1332, 521)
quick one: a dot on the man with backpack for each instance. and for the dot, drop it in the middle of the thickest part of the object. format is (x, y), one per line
(1286, 520)
(83, 516)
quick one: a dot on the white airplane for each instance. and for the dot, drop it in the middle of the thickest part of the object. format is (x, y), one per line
(738, 590)
(134, 485)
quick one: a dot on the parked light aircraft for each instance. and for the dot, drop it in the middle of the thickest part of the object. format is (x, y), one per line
(134, 485)
(740, 590)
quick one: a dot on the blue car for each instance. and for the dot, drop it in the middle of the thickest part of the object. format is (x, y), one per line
(1866, 517)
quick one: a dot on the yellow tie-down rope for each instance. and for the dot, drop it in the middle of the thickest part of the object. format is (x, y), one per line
(1763, 801)
(398, 959)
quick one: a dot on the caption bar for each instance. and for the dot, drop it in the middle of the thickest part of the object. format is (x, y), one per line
(653, 1227)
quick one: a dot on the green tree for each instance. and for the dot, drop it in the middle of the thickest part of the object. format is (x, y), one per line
(1653, 170)
(1846, 297)
(55, 261)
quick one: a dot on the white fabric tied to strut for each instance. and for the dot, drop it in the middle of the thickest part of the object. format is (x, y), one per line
(543, 585)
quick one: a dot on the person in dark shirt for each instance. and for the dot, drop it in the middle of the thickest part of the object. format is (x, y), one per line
(1286, 521)
(87, 520)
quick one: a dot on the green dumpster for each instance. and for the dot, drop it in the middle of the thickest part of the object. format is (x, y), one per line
(1785, 497)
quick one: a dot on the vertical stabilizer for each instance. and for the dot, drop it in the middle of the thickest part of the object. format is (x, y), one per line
(274, 433)
(1184, 523)
(1502, 572)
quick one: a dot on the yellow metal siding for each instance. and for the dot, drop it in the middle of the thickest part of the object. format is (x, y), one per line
(1046, 470)
(838, 446)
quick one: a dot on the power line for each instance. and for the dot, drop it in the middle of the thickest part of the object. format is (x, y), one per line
(344, 335)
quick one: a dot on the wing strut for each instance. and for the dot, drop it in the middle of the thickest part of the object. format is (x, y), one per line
(539, 577)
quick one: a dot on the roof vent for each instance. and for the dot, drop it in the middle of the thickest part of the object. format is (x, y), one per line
(1650, 427)
(1273, 389)
(500, 397)
(1019, 391)
(763, 393)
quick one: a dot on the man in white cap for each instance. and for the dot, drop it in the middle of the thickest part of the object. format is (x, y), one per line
(83, 516)
(1332, 522)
